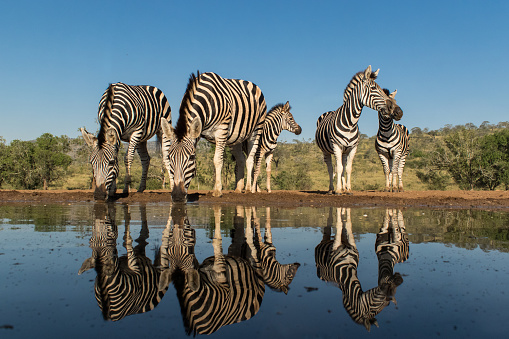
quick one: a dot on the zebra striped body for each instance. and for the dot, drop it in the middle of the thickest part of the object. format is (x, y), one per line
(391, 247)
(126, 285)
(279, 118)
(392, 147)
(337, 132)
(337, 260)
(227, 112)
(221, 291)
(131, 114)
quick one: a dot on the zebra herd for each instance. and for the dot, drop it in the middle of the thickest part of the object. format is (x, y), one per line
(233, 113)
(229, 288)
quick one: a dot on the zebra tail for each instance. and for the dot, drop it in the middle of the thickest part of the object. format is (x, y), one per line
(159, 142)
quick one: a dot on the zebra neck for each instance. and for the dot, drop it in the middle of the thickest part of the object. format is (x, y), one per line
(349, 113)
(385, 125)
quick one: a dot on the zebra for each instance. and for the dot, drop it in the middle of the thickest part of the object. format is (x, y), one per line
(124, 285)
(391, 247)
(279, 118)
(391, 144)
(131, 114)
(227, 112)
(222, 290)
(275, 275)
(337, 132)
(336, 261)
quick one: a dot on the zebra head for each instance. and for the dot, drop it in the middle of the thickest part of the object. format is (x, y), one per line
(104, 161)
(371, 93)
(394, 111)
(288, 123)
(181, 157)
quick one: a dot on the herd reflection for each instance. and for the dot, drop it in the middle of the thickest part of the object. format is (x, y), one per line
(229, 288)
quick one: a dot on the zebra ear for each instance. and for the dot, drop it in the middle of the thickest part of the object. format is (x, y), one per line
(287, 106)
(195, 129)
(393, 94)
(367, 73)
(193, 279)
(111, 136)
(165, 279)
(89, 138)
(87, 264)
(167, 128)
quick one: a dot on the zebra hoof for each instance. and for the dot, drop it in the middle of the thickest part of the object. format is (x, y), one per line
(330, 192)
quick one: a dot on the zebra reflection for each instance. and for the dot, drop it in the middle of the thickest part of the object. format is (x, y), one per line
(336, 261)
(225, 288)
(128, 284)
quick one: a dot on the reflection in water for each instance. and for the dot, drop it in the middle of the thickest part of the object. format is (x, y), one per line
(124, 285)
(337, 259)
(224, 289)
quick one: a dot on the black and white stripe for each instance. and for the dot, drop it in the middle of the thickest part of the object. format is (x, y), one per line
(279, 118)
(124, 285)
(336, 261)
(131, 114)
(226, 112)
(392, 145)
(337, 132)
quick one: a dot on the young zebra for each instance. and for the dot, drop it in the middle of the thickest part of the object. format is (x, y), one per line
(124, 285)
(392, 146)
(226, 112)
(279, 118)
(337, 132)
(337, 260)
(131, 114)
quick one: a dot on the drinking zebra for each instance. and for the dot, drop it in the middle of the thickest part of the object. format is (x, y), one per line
(279, 118)
(391, 144)
(391, 247)
(220, 291)
(131, 114)
(337, 132)
(337, 260)
(124, 285)
(226, 112)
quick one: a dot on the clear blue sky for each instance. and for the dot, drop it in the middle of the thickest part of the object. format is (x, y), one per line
(446, 58)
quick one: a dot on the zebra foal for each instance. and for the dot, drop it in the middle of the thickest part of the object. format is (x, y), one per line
(337, 132)
(392, 145)
(131, 114)
(279, 118)
(226, 112)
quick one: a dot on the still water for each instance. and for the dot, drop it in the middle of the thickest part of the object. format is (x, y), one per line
(96, 270)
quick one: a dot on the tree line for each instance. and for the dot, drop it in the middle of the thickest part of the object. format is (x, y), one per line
(453, 157)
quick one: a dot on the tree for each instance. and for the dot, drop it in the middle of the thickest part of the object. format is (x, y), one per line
(20, 160)
(494, 160)
(51, 160)
(3, 161)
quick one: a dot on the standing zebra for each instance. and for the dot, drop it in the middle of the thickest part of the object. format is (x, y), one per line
(226, 112)
(391, 144)
(222, 290)
(337, 260)
(337, 131)
(279, 118)
(124, 285)
(131, 114)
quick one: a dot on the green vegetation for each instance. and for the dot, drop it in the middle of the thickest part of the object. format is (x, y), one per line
(459, 157)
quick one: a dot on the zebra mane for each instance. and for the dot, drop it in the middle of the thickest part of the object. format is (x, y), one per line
(386, 91)
(108, 104)
(355, 79)
(277, 106)
(181, 127)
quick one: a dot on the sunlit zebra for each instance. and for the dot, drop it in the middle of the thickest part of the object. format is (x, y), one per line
(131, 114)
(337, 132)
(279, 118)
(227, 112)
(392, 147)
(222, 290)
(128, 284)
(337, 260)
(391, 247)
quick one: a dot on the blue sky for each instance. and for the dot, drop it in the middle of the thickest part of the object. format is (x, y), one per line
(446, 58)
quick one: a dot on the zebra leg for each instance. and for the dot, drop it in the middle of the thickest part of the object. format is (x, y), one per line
(327, 158)
(165, 145)
(258, 165)
(218, 164)
(240, 160)
(268, 165)
(128, 160)
(400, 171)
(252, 148)
(385, 165)
(393, 177)
(145, 163)
(338, 154)
(219, 267)
(348, 169)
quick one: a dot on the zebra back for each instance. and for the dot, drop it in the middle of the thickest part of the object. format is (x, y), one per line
(124, 285)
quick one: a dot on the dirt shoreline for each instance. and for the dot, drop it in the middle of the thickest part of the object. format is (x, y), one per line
(493, 200)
